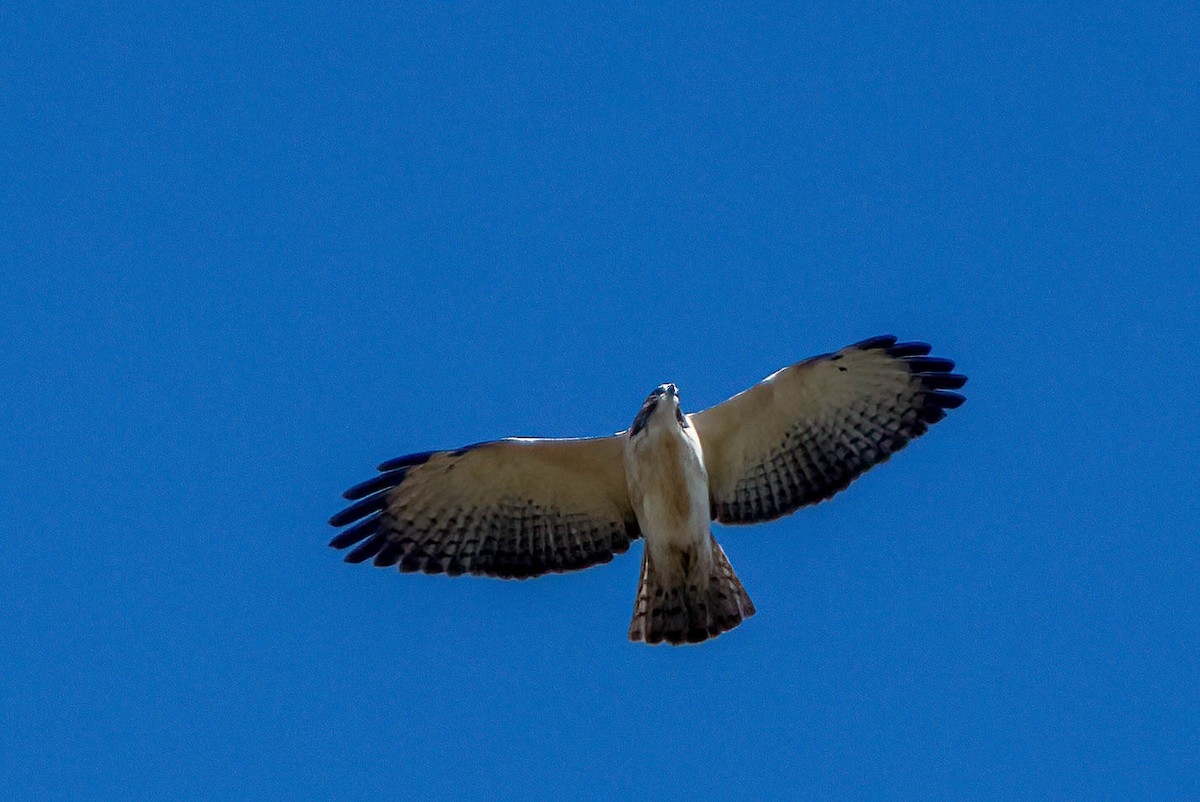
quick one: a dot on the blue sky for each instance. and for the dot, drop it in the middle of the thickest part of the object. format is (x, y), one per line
(250, 252)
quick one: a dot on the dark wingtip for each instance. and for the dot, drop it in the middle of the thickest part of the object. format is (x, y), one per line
(360, 531)
(388, 479)
(946, 400)
(929, 364)
(368, 549)
(910, 349)
(931, 415)
(408, 460)
(389, 555)
(360, 509)
(935, 376)
(871, 343)
(944, 381)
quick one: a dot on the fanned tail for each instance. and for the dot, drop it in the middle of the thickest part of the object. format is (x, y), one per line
(695, 609)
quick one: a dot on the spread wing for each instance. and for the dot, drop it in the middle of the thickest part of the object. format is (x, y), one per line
(806, 432)
(509, 508)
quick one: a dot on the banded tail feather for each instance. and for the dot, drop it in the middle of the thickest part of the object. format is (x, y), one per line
(699, 607)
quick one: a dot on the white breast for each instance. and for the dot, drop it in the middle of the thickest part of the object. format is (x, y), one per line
(668, 486)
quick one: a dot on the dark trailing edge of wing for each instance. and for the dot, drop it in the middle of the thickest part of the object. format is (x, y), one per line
(933, 398)
(375, 536)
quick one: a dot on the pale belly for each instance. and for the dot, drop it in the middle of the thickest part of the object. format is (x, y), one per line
(669, 490)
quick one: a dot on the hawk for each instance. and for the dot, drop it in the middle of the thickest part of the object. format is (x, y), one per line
(524, 507)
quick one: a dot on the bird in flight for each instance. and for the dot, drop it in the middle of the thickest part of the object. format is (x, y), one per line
(524, 507)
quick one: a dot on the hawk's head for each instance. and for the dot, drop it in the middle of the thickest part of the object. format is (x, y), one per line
(660, 408)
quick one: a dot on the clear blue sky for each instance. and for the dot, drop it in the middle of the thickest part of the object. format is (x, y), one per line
(248, 253)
